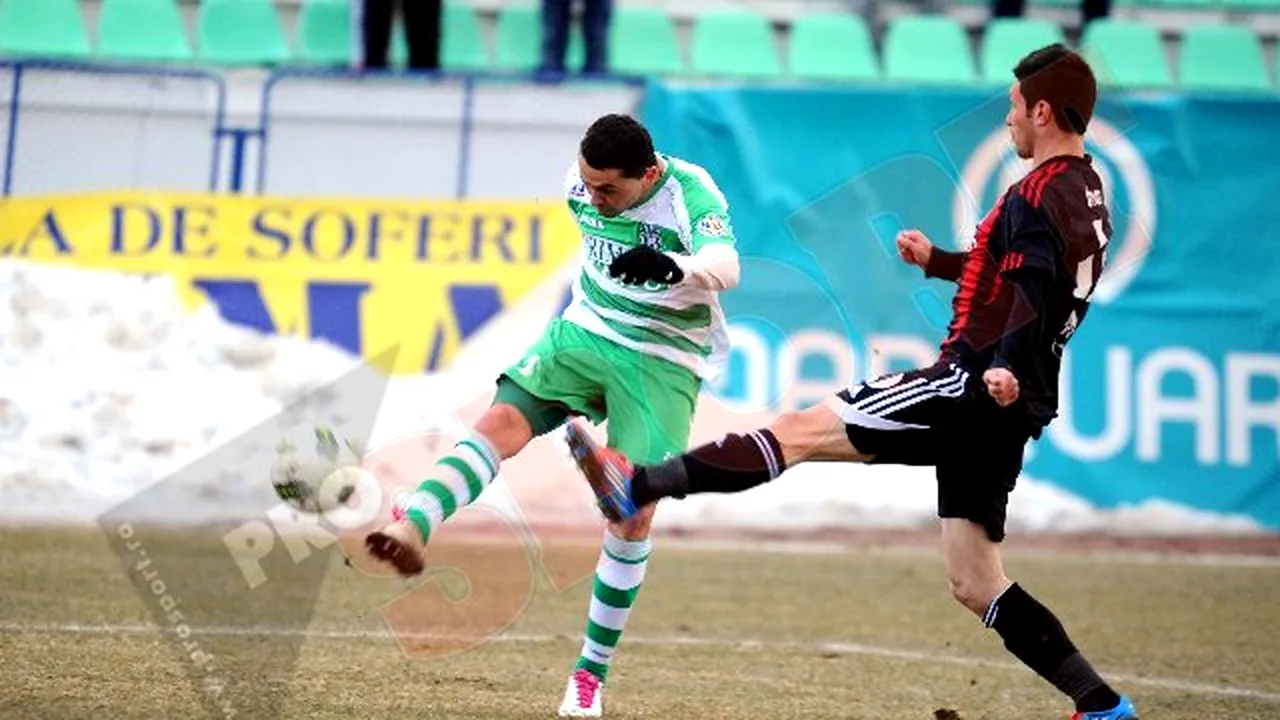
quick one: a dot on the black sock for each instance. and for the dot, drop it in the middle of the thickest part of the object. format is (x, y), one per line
(1032, 633)
(734, 464)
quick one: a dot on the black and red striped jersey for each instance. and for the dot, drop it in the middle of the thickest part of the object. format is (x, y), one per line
(1025, 285)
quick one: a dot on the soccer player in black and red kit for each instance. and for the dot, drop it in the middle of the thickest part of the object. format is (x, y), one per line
(1024, 287)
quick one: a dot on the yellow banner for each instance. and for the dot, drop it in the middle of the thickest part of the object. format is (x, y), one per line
(363, 274)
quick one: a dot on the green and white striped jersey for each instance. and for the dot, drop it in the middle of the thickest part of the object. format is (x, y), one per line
(682, 323)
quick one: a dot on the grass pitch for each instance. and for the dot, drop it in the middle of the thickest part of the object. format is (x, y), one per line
(741, 632)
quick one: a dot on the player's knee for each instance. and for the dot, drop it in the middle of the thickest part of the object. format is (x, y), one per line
(973, 591)
(789, 428)
(966, 593)
(814, 434)
(637, 526)
(506, 429)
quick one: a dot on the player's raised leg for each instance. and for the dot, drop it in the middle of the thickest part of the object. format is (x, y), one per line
(735, 463)
(456, 480)
(530, 401)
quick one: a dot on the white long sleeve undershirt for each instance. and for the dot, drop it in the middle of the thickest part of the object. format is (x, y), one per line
(714, 267)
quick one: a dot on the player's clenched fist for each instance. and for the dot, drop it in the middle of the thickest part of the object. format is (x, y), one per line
(914, 247)
(1001, 385)
(643, 264)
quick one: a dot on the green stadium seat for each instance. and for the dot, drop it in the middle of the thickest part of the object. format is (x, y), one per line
(43, 28)
(1182, 4)
(642, 41)
(326, 36)
(1252, 5)
(145, 30)
(733, 43)
(931, 49)
(241, 32)
(831, 47)
(461, 44)
(1008, 40)
(1126, 54)
(519, 39)
(1221, 57)
(324, 32)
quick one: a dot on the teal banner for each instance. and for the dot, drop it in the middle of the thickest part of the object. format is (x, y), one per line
(1171, 389)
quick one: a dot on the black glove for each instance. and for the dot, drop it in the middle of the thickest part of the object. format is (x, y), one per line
(643, 264)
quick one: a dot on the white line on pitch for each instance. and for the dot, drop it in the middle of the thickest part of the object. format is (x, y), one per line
(844, 648)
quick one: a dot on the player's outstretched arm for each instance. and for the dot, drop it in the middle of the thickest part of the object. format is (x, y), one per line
(915, 248)
(714, 267)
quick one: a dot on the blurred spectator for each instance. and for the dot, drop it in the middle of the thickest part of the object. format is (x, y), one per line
(595, 30)
(422, 29)
(1091, 9)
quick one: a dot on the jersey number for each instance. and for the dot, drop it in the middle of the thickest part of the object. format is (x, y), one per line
(526, 367)
(1086, 283)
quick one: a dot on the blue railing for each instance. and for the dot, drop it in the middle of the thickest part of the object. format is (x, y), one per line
(467, 80)
(21, 68)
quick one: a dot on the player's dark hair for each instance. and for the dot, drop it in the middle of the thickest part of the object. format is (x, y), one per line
(618, 142)
(1062, 78)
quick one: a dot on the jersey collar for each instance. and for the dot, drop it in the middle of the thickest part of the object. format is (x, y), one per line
(657, 184)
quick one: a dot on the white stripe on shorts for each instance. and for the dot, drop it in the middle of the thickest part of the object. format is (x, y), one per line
(871, 412)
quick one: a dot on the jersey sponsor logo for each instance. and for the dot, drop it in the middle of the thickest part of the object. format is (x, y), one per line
(991, 164)
(579, 190)
(713, 226)
(602, 251)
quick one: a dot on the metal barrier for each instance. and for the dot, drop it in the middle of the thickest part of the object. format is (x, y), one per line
(440, 135)
(73, 127)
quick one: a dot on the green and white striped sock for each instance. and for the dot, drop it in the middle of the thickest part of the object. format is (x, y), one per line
(618, 577)
(455, 482)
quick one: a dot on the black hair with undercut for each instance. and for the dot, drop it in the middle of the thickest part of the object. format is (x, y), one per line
(618, 142)
(1062, 78)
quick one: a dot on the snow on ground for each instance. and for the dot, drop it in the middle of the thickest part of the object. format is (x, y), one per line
(110, 385)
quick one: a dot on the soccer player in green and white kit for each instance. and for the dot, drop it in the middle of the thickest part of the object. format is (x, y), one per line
(642, 332)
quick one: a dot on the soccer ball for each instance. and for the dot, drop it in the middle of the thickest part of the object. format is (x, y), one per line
(317, 482)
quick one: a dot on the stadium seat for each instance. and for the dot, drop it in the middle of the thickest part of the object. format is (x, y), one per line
(146, 30)
(1008, 40)
(241, 32)
(1126, 54)
(929, 49)
(519, 39)
(324, 32)
(1252, 5)
(1182, 4)
(328, 39)
(43, 28)
(642, 41)
(461, 44)
(1221, 57)
(831, 47)
(733, 43)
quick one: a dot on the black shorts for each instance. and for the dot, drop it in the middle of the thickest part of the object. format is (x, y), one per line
(942, 416)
